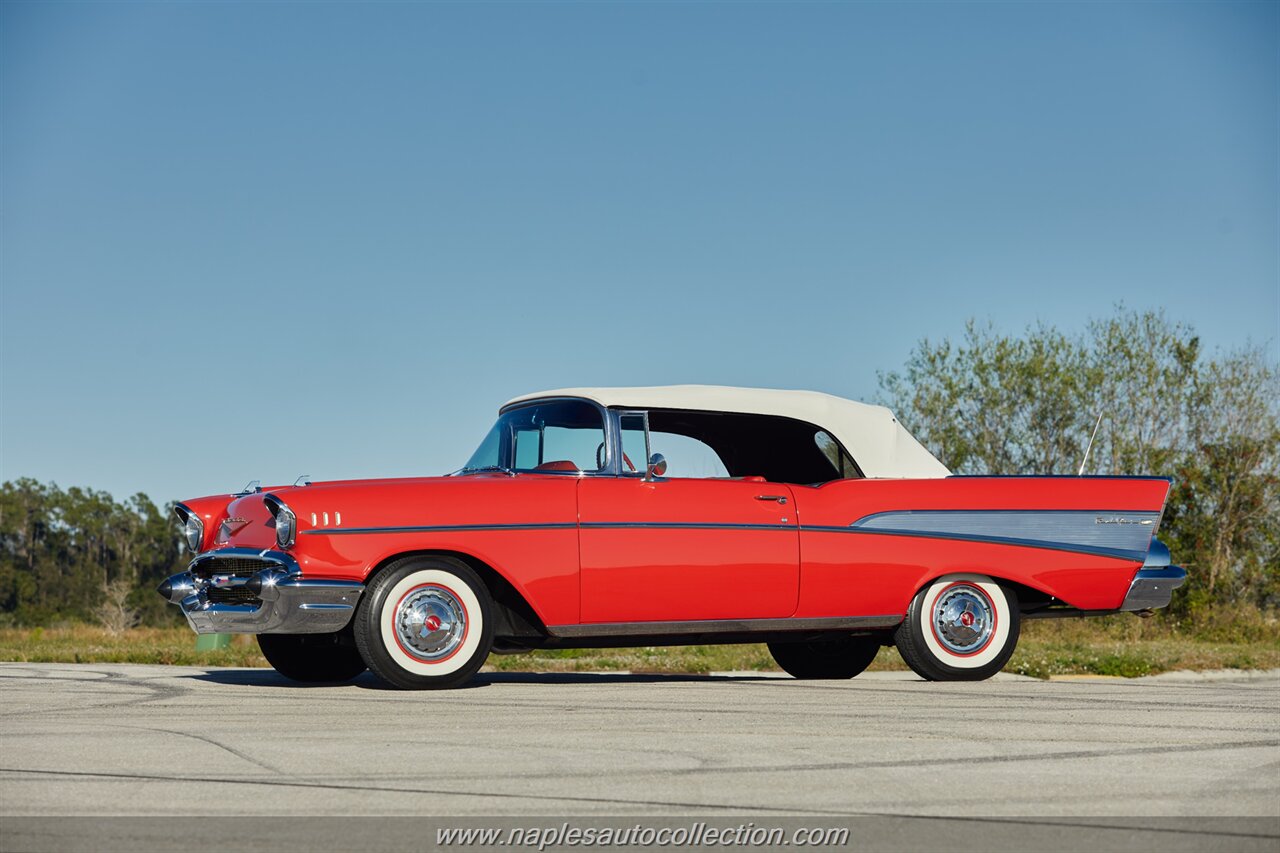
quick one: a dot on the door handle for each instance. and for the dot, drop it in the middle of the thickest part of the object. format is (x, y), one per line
(779, 498)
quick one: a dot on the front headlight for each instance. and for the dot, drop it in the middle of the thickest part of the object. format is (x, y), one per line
(193, 529)
(286, 526)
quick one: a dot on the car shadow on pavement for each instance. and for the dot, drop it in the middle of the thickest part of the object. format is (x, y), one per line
(262, 677)
(270, 678)
(609, 678)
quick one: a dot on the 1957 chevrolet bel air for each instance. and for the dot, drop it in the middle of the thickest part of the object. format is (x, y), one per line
(815, 524)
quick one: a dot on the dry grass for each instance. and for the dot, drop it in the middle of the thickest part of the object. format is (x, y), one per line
(93, 644)
(1118, 645)
(1129, 646)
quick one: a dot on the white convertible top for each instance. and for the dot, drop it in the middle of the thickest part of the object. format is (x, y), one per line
(880, 445)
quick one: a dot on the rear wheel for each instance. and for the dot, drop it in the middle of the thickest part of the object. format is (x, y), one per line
(425, 623)
(842, 658)
(959, 628)
(313, 657)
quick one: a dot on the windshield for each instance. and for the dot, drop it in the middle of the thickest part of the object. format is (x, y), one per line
(565, 435)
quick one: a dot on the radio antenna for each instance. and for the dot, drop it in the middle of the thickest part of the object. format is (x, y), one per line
(1089, 447)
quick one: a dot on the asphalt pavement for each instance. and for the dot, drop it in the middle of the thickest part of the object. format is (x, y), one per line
(1139, 756)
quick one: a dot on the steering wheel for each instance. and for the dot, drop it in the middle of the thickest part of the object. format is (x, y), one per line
(600, 458)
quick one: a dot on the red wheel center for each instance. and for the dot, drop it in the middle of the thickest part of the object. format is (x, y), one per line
(433, 622)
(966, 619)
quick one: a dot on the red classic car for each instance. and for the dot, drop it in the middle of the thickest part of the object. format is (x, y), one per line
(815, 524)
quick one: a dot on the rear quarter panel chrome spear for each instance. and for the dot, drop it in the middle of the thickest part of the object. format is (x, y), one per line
(1107, 533)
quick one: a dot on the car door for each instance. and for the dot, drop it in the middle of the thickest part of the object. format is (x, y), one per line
(675, 550)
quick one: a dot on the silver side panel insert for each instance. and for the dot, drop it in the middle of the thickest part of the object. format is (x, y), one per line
(1107, 533)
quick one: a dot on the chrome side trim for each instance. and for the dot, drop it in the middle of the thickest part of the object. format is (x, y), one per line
(683, 525)
(723, 626)
(586, 525)
(994, 540)
(438, 528)
(1114, 553)
(1057, 477)
(1122, 534)
(1153, 588)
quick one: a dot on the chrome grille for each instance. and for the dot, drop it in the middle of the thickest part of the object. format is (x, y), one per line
(240, 567)
(231, 595)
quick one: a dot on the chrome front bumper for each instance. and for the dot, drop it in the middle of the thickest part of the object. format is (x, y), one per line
(247, 591)
(1153, 585)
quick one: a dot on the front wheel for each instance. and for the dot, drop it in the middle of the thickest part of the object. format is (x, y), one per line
(959, 628)
(424, 623)
(313, 657)
(834, 659)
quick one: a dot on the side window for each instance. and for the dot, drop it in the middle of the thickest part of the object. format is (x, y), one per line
(687, 456)
(578, 446)
(528, 449)
(841, 463)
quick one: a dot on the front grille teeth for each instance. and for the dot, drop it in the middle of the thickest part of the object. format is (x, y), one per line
(231, 595)
(239, 567)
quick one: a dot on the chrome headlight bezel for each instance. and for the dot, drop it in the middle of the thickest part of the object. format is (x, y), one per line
(192, 528)
(286, 526)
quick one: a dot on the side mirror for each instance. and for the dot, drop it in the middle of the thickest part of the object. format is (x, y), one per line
(657, 466)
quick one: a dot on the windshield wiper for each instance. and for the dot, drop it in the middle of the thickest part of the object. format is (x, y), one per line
(480, 469)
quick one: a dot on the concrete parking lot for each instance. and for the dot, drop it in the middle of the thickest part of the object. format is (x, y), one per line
(153, 740)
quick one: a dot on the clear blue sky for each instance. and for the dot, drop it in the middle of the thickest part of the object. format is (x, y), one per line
(250, 240)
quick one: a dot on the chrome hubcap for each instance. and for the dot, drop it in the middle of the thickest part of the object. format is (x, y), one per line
(430, 623)
(963, 619)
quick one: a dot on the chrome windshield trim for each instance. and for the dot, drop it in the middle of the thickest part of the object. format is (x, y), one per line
(611, 438)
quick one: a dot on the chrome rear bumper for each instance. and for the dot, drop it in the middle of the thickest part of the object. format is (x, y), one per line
(247, 591)
(1153, 585)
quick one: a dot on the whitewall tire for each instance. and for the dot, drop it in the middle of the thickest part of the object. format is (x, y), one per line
(959, 628)
(425, 622)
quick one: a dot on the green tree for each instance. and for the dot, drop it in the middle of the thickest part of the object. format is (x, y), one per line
(60, 549)
(994, 403)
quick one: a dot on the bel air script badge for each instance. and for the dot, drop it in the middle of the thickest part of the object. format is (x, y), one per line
(1120, 519)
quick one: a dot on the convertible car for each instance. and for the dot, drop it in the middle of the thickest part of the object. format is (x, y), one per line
(670, 515)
